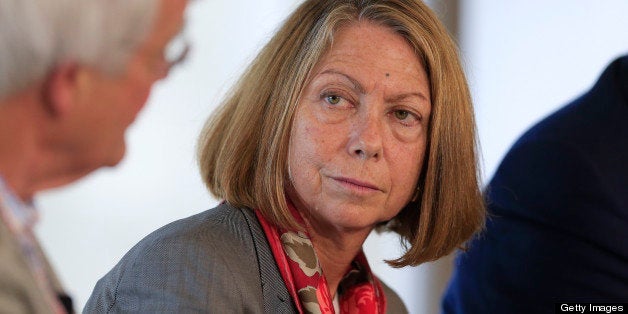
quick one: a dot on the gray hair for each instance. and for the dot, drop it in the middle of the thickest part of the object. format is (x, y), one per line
(37, 35)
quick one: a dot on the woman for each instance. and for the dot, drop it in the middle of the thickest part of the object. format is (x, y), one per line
(355, 115)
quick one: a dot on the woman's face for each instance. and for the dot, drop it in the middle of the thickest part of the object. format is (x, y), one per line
(359, 133)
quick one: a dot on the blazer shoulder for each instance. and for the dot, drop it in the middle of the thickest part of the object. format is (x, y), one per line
(222, 226)
(197, 263)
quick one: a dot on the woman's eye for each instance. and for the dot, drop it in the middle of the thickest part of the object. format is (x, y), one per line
(405, 117)
(333, 99)
(401, 114)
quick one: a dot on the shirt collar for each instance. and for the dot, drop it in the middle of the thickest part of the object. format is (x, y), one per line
(17, 214)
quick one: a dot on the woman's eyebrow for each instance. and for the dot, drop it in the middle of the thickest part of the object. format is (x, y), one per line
(353, 81)
(408, 95)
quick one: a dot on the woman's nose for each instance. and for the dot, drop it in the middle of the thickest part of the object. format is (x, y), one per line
(366, 137)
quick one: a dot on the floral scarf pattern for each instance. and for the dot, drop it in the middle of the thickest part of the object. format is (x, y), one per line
(359, 291)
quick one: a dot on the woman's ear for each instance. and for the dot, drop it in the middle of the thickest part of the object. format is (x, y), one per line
(63, 88)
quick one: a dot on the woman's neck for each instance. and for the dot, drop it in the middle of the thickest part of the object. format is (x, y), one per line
(336, 249)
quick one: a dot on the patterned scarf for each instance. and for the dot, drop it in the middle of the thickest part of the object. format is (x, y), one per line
(359, 290)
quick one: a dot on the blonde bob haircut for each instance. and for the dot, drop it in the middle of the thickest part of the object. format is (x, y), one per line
(243, 149)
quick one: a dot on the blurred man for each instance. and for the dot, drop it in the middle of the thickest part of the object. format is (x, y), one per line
(73, 76)
(558, 230)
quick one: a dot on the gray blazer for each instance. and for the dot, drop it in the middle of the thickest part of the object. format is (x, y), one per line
(215, 261)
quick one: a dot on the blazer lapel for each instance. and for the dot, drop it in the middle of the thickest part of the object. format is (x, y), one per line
(274, 291)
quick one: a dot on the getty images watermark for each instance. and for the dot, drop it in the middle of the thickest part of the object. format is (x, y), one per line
(591, 307)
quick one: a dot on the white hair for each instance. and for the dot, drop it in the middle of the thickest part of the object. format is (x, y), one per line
(37, 35)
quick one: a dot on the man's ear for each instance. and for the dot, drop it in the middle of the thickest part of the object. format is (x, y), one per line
(65, 87)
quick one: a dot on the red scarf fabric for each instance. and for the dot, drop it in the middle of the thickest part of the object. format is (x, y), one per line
(359, 291)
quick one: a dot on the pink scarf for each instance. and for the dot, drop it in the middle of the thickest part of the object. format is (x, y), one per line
(359, 290)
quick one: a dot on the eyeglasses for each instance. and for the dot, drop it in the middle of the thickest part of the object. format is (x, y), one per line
(176, 51)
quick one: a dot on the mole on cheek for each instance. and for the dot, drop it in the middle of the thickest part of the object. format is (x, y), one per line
(387, 74)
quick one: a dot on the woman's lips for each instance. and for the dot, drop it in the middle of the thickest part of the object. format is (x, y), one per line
(356, 184)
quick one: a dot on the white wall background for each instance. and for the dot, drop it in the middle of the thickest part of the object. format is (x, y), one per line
(523, 58)
(527, 58)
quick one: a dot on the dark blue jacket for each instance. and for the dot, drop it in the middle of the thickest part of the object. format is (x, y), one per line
(558, 206)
